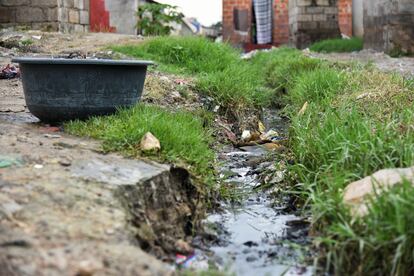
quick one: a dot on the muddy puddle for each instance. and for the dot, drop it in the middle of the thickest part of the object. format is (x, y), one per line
(256, 234)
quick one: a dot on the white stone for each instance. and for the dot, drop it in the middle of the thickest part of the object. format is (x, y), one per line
(246, 135)
(356, 193)
(149, 142)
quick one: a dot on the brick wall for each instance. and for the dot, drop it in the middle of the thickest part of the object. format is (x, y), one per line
(35, 14)
(388, 25)
(345, 16)
(281, 22)
(312, 20)
(52, 15)
(73, 15)
(231, 35)
(281, 29)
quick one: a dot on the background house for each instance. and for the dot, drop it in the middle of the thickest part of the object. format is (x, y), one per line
(385, 25)
(239, 19)
(72, 15)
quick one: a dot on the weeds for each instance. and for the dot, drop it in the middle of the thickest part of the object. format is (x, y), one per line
(190, 55)
(358, 121)
(220, 72)
(338, 45)
(181, 134)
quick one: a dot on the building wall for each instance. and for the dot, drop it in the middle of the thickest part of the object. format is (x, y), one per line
(281, 22)
(345, 16)
(281, 16)
(231, 35)
(73, 15)
(312, 20)
(388, 25)
(358, 18)
(52, 15)
(34, 14)
(123, 15)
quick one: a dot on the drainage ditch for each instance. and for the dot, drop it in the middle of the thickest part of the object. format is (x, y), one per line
(255, 235)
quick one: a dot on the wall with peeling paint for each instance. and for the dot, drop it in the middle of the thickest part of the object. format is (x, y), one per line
(123, 15)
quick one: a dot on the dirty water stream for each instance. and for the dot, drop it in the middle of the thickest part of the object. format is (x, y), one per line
(256, 236)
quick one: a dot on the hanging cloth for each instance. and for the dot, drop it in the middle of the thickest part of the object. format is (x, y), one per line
(263, 13)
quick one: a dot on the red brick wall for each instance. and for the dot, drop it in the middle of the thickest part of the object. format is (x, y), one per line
(345, 16)
(229, 34)
(281, 22)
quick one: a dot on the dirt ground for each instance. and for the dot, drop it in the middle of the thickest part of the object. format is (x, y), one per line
(67, 208)
(403, 65)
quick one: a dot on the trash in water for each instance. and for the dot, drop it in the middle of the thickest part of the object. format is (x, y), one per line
(191, 261)
(9, 72)
(182, 260)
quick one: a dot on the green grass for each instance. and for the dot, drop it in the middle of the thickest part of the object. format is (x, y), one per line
(386, 245)
(340, 138)
(338, 45)
(181, 134)
(189, 55)
(219, 71)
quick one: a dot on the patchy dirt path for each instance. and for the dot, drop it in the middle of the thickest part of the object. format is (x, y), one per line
(403, 65)
(50, 43)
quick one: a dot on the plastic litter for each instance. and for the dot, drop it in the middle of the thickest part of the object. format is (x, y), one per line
(184, 261)
(192, 261)
(8, 161)
(9, 72)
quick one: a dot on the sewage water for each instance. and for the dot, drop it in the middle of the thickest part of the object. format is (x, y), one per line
(257, 238)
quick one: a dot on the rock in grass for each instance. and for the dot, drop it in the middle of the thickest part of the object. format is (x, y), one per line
(150, 143)
(183, 247)
(357, 193)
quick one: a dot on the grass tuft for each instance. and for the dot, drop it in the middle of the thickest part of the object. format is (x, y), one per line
(181, 134)
(189, 55)
(220, 72)
(358, 121)
(338, 45)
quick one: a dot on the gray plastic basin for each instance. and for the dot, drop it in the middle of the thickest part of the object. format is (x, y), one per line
(65, 89)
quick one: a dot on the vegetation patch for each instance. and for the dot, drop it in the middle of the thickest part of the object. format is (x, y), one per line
(189, 55)
(219, 71)
(182, 135)
(338, 45)
(357, 121)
